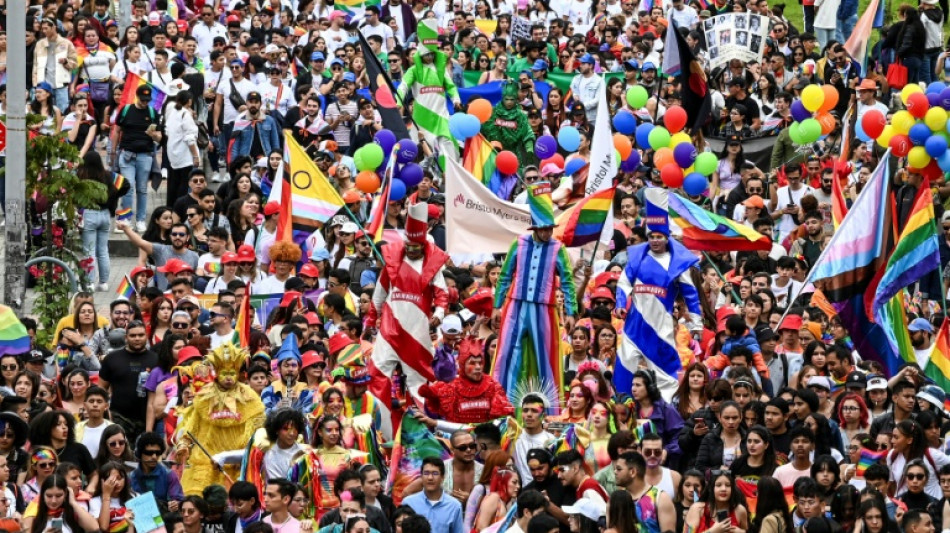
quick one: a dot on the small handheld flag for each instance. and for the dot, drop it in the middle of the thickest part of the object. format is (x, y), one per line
(125, 290)
(124, 214)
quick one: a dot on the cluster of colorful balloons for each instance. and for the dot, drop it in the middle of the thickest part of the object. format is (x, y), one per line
(812, 114)
(680, 164)
(921, 133)
(373, 158)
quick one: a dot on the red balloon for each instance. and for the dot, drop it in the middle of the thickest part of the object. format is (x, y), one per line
(873, 123)
(506, 162)
(932, 171)
(557, 159)
(672, 176)
(675, 119)
(917, 105)
(900, 145)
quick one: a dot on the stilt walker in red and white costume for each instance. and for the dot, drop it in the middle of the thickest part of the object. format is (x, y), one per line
(411, 295)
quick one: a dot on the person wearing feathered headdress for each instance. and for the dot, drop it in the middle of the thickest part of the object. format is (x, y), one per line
(223, 417)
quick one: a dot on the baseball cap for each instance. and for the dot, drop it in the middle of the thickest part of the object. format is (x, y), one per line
(603, 292)
(932, 394)
(648, 66)
(351, 197)
(877, 383)
(175, 266)
(143, 90)
(154, 18)
(313, 319)
(336, 61)
(310, 358)
(349, 76)
(187, 300)
(753, 201)
(245, 252)
(588, 507)
(587, 58)
(229, 258)
(551, 168)
(320, 254)
(271, 49)
(452, 325)
(820, 381)
(631, 64)
(317, 56)
(309, 271)
(736, 82)
(237, 61)
(349, 227)
(765, 334)
(540, 64)
(856, 379)
(578, 108)
(920, 324)
(270, 208)
(253, 95)
(188, 353)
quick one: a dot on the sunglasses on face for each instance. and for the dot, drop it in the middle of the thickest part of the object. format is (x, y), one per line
(180, 325)
(467, 447)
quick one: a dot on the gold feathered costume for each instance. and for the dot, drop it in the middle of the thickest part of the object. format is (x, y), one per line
(224, 416)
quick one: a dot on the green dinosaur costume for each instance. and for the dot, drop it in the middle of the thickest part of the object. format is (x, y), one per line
(509, 126)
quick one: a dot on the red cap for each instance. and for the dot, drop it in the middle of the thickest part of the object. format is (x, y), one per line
(480, 303)
(606, 277)
(351, 197)
(175, 266)
(339, 341)
(229, 257)
(187, 353)
(245, 253)
(183, 26)
(290, 297)
(271, 208)
(792, 322)
(140, 269)
(603, 292)
(312, 319)
(233, 18)
(310, 358)
(309, 270)
(359, 234)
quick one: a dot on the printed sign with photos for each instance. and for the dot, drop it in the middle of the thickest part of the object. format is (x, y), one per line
(735, 36)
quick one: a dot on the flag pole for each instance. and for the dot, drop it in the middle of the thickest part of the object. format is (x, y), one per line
(732, 291)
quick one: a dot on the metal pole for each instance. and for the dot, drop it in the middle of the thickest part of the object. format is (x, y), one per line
(14, 282)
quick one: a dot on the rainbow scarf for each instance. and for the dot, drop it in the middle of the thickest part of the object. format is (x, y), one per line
(43, 455)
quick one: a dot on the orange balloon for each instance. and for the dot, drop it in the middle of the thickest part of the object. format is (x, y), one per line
(827, 122)
(663, 157)
(367, 181)
(623, 145)
(831, 100)
(481, 109)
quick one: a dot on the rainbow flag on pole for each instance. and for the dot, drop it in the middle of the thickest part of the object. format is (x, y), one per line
(125, 289)
(868, 458)
(584, 221)
(938, 366)
(13, 337)
(479, 159)
(132, 82)
(705, 230)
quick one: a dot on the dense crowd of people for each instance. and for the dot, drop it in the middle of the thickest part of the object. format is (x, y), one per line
(391, 386)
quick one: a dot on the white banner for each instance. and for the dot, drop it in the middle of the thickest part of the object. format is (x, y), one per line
(735, 36)
(603, 165)
(477, 221)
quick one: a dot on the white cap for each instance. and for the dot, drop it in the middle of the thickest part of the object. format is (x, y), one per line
(820, 381)
(877, 383)
(349, 227)
(466, 315)
(588, 507)
(452, 325)
(271, 48)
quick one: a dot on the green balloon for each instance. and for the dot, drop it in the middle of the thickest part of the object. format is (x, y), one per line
(659, 137)
(637, 96)
(810, 130)
(794, 131)
(372, 156)
(617, 159)
(706, 163)
(358, 161)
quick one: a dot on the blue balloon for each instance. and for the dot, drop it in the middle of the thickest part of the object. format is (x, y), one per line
(473, 126)
(386, 139)
(799, 113)
(569, 138)
(407, 152)
(397, 190)
(919, 133)
(944, 161)
(936, 87)
(411, 174)
(456, 124)
(695, 184)
(859, 132)
(573, 165)
(936, 146)
(625, 122)
(643, 135)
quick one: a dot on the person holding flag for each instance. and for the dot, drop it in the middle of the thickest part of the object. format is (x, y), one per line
(429, 85)
(411, 296)
(656, 276)
(529, 336)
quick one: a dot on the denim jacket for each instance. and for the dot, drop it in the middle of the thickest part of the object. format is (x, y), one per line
(267, 128)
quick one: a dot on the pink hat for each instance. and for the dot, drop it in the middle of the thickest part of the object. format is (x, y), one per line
(551, 168)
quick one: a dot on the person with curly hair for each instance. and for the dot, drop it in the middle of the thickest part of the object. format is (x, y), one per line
(283, 255)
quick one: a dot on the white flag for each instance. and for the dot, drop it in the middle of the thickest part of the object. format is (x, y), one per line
(475, 219)
(603, 164)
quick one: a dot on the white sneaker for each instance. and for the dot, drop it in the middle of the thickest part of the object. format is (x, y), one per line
(102, 287)
(140, 226)
(216, 178)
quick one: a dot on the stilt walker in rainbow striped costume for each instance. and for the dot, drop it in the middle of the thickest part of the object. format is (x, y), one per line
(525, 300)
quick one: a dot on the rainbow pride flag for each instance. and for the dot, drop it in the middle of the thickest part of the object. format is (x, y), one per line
(705, 230)
(125, 289)
(172, 10)
(413, 443)
(938, 366)
(244, 320)
(479, 159)
(584, 221)
(868, 458)
(124, 214)
(13, 337)
(132, 82)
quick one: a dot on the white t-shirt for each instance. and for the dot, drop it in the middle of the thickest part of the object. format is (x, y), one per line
(218, 340)
(383, 30)
(524, 444)
(91, 437)
(244, 87)
(277, 460)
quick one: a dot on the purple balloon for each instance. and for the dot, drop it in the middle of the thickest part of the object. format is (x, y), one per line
(545, 147)
(685, 154)
(933, 99)
(634, 158)
(945, 98)
(411, 174)
(799, 113)
(408, 150)
(628, 165)
(385, 139)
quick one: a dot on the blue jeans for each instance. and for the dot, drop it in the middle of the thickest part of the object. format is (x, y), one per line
(824, 35)
(845, 27)
(136, 168)
(930, 64)
(95, 239)
(61, 98)
(915, 68)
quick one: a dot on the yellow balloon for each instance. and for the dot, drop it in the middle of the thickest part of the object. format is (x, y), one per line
(681, 137)
(908, 90)
(902, 122)
(936, 119)
(812, 97)
(917, 157)
(884, 140)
